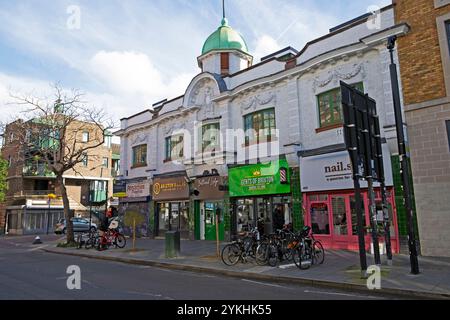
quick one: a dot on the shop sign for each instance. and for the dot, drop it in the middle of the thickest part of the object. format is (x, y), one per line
(260, 179)
(173, 188)
(333, 171)
(137, 190)
(209, 187)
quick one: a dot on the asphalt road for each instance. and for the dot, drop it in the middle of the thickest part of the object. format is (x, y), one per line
(29, 273)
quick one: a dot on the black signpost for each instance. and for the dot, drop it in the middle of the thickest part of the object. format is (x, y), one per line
(404, 159)
(363, 141)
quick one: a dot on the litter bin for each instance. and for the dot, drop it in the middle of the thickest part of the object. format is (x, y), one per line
(172, 244)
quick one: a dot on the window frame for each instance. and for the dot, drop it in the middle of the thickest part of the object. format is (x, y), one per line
(216, 126)
(334, 102)
(447, 124)
(169, 147)
(137, 152)
(224, 63)
(107, 162)
(249, 123)
(85, 160)
(83, 137)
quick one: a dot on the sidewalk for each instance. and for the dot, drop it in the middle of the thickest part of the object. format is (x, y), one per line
(340, 269)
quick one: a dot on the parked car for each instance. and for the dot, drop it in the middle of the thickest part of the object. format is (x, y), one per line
(79, 225)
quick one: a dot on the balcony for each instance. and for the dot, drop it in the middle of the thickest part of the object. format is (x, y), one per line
(115, 173)
(37, 170)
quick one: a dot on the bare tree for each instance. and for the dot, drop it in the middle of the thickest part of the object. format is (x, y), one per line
(51, 133)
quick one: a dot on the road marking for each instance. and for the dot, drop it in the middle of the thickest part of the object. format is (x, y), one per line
(340, 294)
(266, 284)
(38, 248)
(91, 284)
(150, 294)
(287, 266)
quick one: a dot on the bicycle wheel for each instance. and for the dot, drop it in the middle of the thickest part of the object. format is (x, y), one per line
(120, 241)
(318, 253)
(231, 254)
(261, 254)
(287, 252)
(91, 242)
(301, 259)
(272, 255)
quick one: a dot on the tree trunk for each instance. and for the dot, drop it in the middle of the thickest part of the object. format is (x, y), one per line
(67, 213)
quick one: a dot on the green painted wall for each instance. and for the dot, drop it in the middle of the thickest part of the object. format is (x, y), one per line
(399, 203)
(297, 200)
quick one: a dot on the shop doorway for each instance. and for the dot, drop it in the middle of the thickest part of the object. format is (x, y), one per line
(173, 216)
(209, 215)
(333, 220)
(268, 213)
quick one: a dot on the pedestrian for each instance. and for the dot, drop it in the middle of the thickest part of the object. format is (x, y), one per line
(278, 218)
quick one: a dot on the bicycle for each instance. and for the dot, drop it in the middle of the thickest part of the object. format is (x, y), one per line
(307, 250)
(241, 248)
(111, 237)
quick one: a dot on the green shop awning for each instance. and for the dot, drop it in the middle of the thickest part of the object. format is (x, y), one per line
(260, 179)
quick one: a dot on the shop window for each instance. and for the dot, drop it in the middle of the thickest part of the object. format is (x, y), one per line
(319, 218)
(380, 217)
(210, 137)
(174, 147)
(259, 126)
(354, 215)
(245, 215)
(323, 197)
(139, 156)
(330, 107)
(339, 216)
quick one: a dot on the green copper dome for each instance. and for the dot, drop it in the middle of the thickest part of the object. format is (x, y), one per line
(224, 38)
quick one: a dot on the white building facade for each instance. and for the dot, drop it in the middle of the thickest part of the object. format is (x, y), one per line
(261, 145)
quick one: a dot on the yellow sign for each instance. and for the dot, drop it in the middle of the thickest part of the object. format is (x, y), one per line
(157, 188)
(120, 195)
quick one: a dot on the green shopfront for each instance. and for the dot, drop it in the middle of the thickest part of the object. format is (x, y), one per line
(260, 195)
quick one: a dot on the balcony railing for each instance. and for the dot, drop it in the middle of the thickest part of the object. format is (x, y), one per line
(36, 193)
(37, 170)
(115, 173)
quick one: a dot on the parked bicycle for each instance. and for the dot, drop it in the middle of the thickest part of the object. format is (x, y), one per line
(306, 250)
(242, 248)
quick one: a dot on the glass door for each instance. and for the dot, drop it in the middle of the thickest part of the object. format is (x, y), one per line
(340, 221)
(210, 221)
(245, 215)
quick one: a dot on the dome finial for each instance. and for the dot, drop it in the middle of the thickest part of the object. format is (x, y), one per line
(224, 19)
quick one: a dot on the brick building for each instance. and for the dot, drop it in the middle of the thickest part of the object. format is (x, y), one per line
(424, 55)
(27, 209)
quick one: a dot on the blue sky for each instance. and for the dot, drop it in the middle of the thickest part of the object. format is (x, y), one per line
(129, 54)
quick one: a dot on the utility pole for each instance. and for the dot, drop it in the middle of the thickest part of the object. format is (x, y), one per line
(404, 159)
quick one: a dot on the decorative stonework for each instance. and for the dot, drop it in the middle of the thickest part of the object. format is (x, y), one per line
(139, 139)
(252, 103)
(338, 74)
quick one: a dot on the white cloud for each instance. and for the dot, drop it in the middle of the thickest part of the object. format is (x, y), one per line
(265, 45)
(132, 75)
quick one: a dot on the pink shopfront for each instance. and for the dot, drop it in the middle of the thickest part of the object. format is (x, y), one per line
(329, 200)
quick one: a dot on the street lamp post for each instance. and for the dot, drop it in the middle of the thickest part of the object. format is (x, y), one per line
(404, 159)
